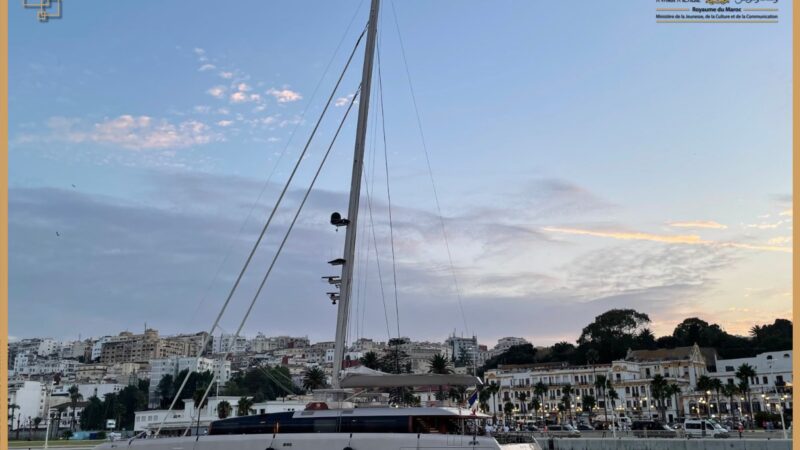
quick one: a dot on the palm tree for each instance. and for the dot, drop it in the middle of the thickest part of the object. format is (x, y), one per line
(613, 396)
(588, 402)
(539, 390)
(534, 405)
(716, 386)
(659, 392)
(566, 392)
(74, 397)
(704, 386)
(493, 389)
(36, 422)
(674, 390)
(744, 373)
(224, 409)
(370, 360)
(243, 408)
(508, 410)
(314, 378)
(729, 390)
(483, 399)
(439, 364)
(600, 388)
(523, 396)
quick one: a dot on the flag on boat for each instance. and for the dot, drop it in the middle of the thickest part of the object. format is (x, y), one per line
(473, 402)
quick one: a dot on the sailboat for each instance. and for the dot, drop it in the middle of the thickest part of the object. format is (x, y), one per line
(335, 423)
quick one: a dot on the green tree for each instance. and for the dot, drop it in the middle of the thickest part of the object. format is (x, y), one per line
(704, 387)
(588, 402)
(165, 391)
(659, 391)
(566, 398)
(36, 421)
(314, 378)
(539, 390)
(613, 396)
(244, 406)
(600, 388)
(132, 399)
(93, 415)
(744, 373)
(716, 387)
(370, 360)
(483, 399)
(508, 410)
(523, 396)
(674, 390)
(224, 409)
(493, 389)
(613, 333)
(74, 397)
(730, 390)
(438, 364)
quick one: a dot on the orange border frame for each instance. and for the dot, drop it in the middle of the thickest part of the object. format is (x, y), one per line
(4, 220)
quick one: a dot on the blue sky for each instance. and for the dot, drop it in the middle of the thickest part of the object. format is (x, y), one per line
(585, 158)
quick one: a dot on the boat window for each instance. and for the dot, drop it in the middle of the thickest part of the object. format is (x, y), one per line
(377, 424)
(436, 424)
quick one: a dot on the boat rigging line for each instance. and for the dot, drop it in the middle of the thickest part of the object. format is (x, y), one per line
(283, 241)
(269, 220)
(430, 170)
(278, 161)
(388, 191)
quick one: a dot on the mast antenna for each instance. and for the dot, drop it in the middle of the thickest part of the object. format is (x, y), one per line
(348, 263)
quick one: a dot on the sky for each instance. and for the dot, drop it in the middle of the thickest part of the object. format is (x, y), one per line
(583, 157)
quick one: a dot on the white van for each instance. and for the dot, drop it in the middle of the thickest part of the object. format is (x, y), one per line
(698, 428)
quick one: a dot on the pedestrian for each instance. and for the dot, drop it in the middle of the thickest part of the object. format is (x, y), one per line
(741, 429)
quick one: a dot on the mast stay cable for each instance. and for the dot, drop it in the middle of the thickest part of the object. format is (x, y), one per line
(264, 229)
(388, 191)
(278, 161)
(285, 236)
(430, 170)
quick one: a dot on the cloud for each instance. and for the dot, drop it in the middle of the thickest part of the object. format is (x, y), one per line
(133, 132)
(669, 239)
(285, 95)
(699, 224)
(343, 101)
(765, 225)
(225, 123)
(786, 212)
(780, 240)
(243, 87)
(202, 109)
(217, 91)
(206, 67)
(226, 75)
(199, 51)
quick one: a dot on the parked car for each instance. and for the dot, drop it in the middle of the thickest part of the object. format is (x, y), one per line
(564, 430)
(585, 427)
(697, 428)
(652, 428)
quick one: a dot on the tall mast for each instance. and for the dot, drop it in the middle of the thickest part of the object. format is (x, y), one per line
(355, 193)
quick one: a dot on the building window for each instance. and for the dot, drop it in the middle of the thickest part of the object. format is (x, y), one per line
(647, 372)
(765, 380)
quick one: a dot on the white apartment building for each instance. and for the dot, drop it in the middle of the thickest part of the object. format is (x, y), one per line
(29, 398)
(88, 390)
(174, 365)
(226, 343)
(631, 378)
(768, 388)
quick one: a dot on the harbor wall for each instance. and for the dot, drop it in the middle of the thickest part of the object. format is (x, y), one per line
(664, 444)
